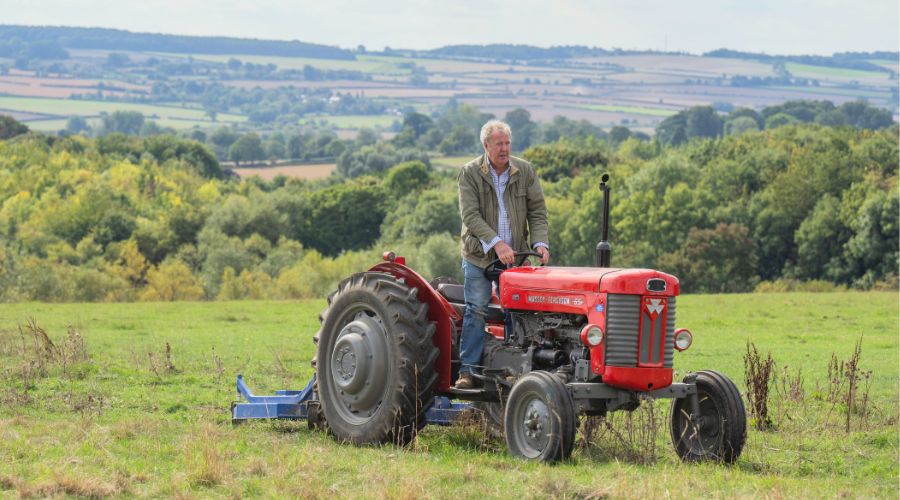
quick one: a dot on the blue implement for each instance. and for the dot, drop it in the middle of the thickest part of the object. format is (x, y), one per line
(286, 404)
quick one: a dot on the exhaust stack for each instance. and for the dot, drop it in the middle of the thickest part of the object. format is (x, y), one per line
(604, 249)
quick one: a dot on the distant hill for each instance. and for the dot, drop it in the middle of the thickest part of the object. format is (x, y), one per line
(20, 40)
(518, 52)
(848, 60)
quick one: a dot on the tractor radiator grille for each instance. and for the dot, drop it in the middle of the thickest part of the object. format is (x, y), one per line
(623, 330)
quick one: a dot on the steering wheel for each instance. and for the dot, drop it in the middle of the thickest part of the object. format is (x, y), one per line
(495, 267)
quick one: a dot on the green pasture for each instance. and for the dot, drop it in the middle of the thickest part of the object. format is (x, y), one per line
(451, 162)
(353, 121)
(133, 420)
(164, 115)
(632, 110)
(841, 91)
(807, 70)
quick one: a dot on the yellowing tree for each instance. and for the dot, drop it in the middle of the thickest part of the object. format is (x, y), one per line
(171, 281)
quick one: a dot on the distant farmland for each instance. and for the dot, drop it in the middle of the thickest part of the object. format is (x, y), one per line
(308, 172)
(635, 90)
(170, 116)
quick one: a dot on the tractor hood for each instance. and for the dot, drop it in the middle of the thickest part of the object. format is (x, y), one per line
(590, 280)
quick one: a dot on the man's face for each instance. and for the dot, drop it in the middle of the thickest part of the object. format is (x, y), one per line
(497, 148)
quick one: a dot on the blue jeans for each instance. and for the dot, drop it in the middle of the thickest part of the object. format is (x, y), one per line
(477, 290)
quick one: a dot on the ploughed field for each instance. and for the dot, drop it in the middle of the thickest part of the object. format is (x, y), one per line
(133, 399)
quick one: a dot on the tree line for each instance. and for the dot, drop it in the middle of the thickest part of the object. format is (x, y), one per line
(113, 39)
(157, 218)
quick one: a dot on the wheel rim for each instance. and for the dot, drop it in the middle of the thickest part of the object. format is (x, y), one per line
(703, 437)
(358, 365)
(533, 426)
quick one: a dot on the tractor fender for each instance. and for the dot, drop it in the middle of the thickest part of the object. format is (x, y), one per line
(439, 311)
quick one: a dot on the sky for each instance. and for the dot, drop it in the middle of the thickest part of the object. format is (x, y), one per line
(694, 26)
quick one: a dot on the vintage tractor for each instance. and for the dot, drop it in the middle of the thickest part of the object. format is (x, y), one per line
(561, 342)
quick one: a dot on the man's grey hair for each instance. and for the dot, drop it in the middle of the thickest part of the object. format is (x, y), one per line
(492, 126)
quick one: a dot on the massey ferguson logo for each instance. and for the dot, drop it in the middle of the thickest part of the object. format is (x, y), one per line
(654, 306)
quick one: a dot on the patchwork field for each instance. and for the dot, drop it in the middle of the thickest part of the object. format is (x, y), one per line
(177, 117)
(638, 90)
(134, 401)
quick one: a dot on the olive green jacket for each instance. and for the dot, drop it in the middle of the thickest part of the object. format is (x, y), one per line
(479, 209)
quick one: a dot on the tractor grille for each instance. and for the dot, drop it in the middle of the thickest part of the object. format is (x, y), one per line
(623, 316)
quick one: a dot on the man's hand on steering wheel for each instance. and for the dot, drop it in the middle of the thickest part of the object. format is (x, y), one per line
(505, 253)
(545, 254)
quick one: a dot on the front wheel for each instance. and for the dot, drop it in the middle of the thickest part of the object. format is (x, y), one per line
(718, 432)
(540, 418)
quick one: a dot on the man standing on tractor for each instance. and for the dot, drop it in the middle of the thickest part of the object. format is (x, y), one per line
(500, 203)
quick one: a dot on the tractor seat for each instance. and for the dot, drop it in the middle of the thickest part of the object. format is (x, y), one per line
(456, 297)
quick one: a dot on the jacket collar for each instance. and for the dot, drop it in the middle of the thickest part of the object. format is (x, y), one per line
(486, 164)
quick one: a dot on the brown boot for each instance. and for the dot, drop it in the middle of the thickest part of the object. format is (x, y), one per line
(464, 381)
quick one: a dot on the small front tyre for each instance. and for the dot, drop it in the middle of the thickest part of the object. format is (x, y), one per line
(540, 418)
(719, 431)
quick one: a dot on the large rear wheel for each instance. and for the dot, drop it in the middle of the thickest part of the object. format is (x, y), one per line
(718, 432)
(540, 418)
(375, 360)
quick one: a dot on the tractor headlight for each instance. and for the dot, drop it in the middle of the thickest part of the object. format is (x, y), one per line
(591, 335)
(683, 339)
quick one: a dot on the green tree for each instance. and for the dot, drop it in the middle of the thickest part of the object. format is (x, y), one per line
(222, 140)
(248, 148)
(10, 127)
(460, 140)
(780, 120)
(619, 134)
(407, 177)
(703, 121)
(77, 125)
(739, 125)
(523, 129)
(719, 260)
(344, 217)
(566, 157)
(123, 122)
(171, 281)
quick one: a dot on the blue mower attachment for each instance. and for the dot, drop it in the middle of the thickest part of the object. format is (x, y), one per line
(304, 404)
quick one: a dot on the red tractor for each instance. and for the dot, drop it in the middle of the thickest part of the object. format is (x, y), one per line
(561, 342)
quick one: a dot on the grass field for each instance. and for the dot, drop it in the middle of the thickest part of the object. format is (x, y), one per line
(825, 71)
(452, 162)
(632, 110)
(132, 420)
(164, 115)
(306, 171)
(354, 121)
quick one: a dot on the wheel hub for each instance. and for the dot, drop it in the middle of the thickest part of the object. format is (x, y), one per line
(535, 424)
(358, 365)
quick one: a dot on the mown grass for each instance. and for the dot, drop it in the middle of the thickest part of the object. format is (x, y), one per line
(134, 420)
